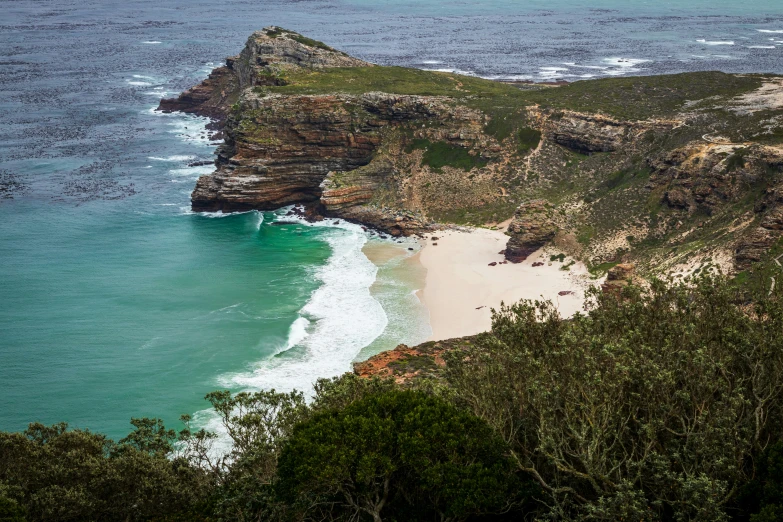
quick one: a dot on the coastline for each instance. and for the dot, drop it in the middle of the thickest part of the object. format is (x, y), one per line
(399, 277)
(461, 287)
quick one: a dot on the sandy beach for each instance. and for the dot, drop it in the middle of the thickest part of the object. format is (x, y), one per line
(461, 288)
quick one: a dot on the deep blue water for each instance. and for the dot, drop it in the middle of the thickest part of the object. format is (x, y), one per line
(115, 301)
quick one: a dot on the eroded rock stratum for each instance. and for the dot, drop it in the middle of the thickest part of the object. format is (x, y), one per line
(679, 172)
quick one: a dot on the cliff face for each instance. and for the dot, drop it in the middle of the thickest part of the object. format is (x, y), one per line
(660, 171)
(531, 229)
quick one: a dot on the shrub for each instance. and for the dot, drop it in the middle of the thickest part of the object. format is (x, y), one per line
(649, 406)
(396, 452)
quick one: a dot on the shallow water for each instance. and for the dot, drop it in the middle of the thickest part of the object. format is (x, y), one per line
(116, 301)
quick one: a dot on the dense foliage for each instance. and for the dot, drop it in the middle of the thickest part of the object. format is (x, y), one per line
(50, 473)
(650, 406)
(399, 452)
(661, 403)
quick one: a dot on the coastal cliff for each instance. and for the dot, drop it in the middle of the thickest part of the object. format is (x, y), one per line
(674, 173)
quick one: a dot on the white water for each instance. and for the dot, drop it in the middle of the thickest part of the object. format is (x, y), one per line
(340, 318)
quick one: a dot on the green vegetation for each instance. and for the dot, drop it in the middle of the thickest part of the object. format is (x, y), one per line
(736, 160)
(503, 121)
(442, 154)
(627, 98)
(401, 455)
(50, 473)
(477, 216)
(642, 409)
(658, 404)
(395, 80)
(528, 139)
(645, 97)
(279, 31)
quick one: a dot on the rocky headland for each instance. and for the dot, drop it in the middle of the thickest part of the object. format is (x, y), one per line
(676, 172)
(638, 176)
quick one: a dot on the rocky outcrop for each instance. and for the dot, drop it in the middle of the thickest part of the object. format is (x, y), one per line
(707, 177)
(304, 124)
(703, 176)
(586, 133)
(531, 228)
(753, 246)
(407, 364)
(273, 50)
(280, 149)
(266, 55)
(618, 277)
(211, 98)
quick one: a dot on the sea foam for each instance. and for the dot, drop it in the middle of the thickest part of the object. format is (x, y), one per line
(715, 42)
(340, 318)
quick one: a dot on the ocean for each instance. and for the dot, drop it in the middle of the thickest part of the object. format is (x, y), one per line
(116, 301)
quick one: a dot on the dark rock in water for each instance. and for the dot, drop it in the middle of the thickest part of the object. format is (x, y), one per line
(410, 248)
(531, 228)
(211, 98)
(279, 223)
(200, 163)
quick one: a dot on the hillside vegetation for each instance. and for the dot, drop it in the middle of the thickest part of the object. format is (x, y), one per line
(656, 404)
(675, 173)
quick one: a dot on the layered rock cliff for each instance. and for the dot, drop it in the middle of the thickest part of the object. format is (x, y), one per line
(667, 172)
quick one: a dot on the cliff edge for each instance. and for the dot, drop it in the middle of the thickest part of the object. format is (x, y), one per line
(676, 173)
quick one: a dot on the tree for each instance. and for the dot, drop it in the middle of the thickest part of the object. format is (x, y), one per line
(51, 473)
(392, 451)
(647, 407)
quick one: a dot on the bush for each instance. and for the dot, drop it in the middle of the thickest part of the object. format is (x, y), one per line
(398, 453)
(50, 473)
(649, 406)
(441, 154)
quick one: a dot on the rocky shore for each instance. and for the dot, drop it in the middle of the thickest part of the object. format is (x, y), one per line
(665, 172)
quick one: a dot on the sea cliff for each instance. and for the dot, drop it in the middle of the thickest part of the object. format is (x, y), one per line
(674, 173)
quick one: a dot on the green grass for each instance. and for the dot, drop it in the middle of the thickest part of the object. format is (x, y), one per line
(279, 31)
(492, 212)
(631, 98)
(528, 139)
(441, 154)
(413, 363)
(637, 98)
(602, 268)
(394, 80)
(504, 121)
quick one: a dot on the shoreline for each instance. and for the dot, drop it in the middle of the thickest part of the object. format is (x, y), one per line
(399, 277)
(461, 287)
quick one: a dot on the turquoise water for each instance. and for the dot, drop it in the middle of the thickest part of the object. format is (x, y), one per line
(116, 301)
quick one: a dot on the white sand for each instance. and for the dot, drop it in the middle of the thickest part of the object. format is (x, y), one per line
(461, 289)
